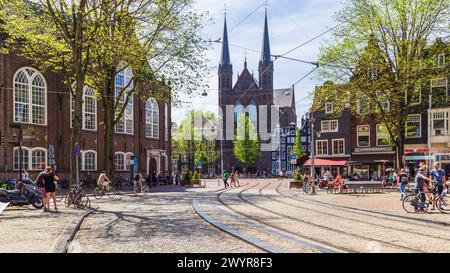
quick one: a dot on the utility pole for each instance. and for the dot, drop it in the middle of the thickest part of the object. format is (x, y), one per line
(313, 168)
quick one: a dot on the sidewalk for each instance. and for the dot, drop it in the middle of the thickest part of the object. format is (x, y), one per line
(28, 230)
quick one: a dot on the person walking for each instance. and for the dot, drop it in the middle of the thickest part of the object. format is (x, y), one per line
(236, 178)
(50, 180)
(226, 175)
(233, 179)
(41, 186)
(395, 179)
(438, 174)
(404, 180)
(139, 180)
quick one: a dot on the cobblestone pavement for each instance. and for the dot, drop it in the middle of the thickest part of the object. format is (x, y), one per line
(162, 221)
(28, 230)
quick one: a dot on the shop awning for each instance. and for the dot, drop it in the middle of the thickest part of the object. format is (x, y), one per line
(418, 157)
(319, 162)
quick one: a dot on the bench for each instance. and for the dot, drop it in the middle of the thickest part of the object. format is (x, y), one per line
(297, 185)
(361, 187)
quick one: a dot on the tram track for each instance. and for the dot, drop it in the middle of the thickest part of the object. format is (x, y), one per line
(383, 215)
(278, 227)
(278, 235)
(315, 225)
(321, 212)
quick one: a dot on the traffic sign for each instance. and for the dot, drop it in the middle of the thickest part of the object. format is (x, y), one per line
(77, 150)
(200, 165)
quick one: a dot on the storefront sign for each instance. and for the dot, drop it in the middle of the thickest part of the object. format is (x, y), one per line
(373, 150)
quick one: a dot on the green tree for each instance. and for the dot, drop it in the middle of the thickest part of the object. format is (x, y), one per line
(246, 143)
(201, 156)
(197, 127)
(297, 150)
(377, 60)
(53, 35)
(159, 42)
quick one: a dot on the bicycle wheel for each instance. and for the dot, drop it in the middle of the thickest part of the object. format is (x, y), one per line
(81, 201)
(410, 202)
(111, 193)
(145, 189)
(59, 196)
(443, 204)
(98, 193)
(68, 200)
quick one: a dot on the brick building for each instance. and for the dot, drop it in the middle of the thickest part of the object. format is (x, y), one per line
(41, 102)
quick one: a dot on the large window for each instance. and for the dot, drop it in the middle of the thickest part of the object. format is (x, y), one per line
(120, 161)
(382, 135)
(338, 146)
(89, 110)
(89, 161)
(414, 126)
(30, 97)
(25, 158)
(439, 123)
(32, 159)
(329, 108)
(253, 113)
(363, 106)
(330, 126)
(363, 135)
(152, 119)
(238, 110)
(123, 87)
(123, 161)
(322, 147)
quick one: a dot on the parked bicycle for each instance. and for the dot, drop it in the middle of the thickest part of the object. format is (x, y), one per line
(123, 183)
(77, 197)
(413, 202)
(140, 188)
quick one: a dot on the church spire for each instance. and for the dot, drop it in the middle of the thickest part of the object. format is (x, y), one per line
(225, 58)
(265, 53)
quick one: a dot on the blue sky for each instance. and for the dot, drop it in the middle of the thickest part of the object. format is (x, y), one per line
(291, 22)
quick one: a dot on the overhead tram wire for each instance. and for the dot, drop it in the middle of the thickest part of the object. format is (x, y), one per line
(248, 16)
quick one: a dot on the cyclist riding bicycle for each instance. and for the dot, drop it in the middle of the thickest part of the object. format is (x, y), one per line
(103, 181)
(421, 187)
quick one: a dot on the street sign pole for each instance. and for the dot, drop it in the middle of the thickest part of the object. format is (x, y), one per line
(77, 155)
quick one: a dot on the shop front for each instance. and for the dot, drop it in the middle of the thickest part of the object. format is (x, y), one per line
(414, 158)
(333, 166)
(371, 164)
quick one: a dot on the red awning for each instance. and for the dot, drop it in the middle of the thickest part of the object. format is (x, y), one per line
(327, 162)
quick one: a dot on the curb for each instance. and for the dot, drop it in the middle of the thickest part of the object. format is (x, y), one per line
(62, 245)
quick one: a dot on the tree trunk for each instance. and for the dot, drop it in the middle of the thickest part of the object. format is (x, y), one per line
(76, 132)
(109, 119)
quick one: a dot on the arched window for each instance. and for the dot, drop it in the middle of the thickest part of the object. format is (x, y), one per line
(238, 110)
(25, 158)
(89, 161)
(120, 161)
(89, 109)
(152, 119)
(38, 158)
(30, 97)
(253, 113)
(123, 86)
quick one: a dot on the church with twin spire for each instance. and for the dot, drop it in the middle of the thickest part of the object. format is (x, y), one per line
(248, 95)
